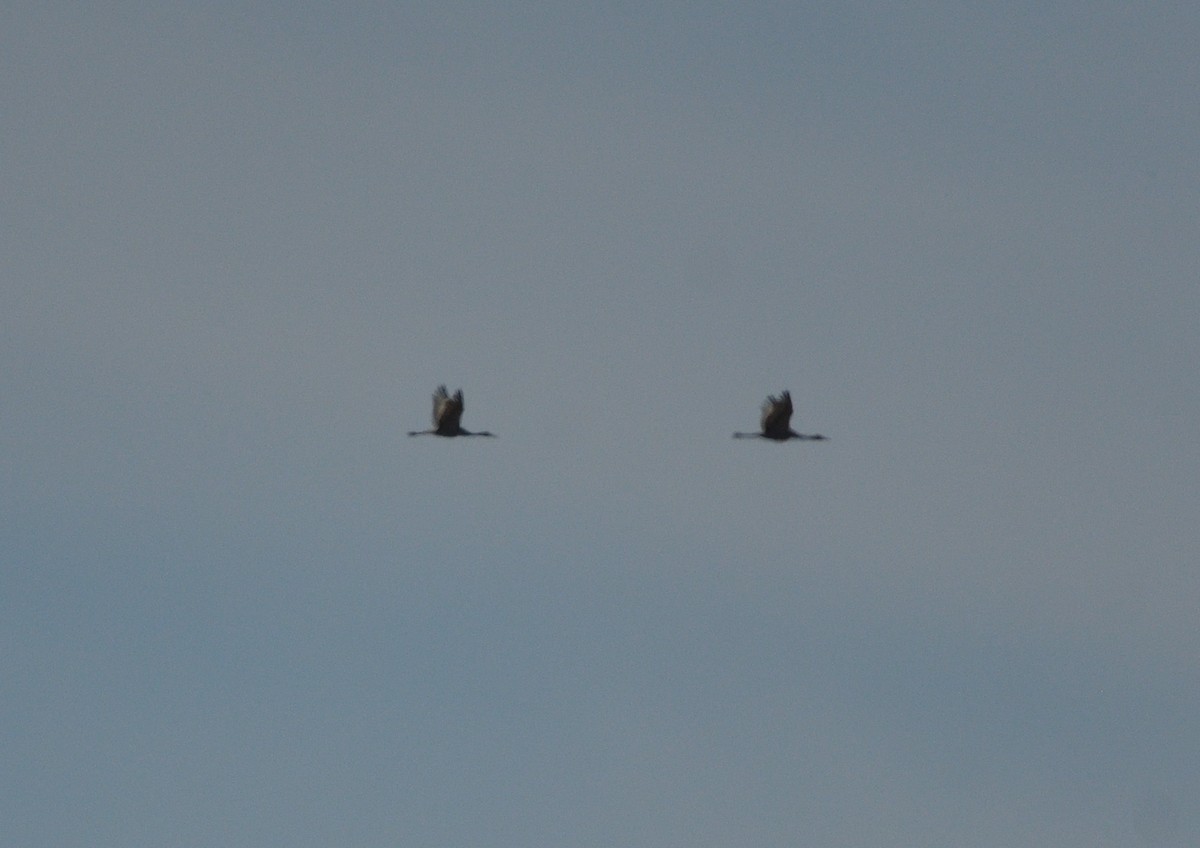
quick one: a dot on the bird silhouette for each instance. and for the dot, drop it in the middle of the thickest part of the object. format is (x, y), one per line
(776, 422)
(446, 414)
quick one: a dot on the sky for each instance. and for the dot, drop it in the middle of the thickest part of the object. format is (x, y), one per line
(243, 244)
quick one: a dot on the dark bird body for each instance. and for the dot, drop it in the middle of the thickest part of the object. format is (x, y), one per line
(447, 411)
(776, 422)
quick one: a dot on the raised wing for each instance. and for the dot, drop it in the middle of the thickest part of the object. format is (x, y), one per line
(777, 415)
(447, 410)
(440, 399)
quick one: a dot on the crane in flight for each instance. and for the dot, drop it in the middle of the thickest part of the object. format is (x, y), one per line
(447, 411)
(776, 422)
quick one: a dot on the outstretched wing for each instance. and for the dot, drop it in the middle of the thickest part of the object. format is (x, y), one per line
(777, 415)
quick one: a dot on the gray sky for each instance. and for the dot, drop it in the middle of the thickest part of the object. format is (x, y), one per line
(244, 242)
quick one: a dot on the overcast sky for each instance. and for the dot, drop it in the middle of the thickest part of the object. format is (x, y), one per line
(242, 245)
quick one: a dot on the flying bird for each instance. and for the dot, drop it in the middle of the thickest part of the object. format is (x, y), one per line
(776, 422)
(446, 414)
